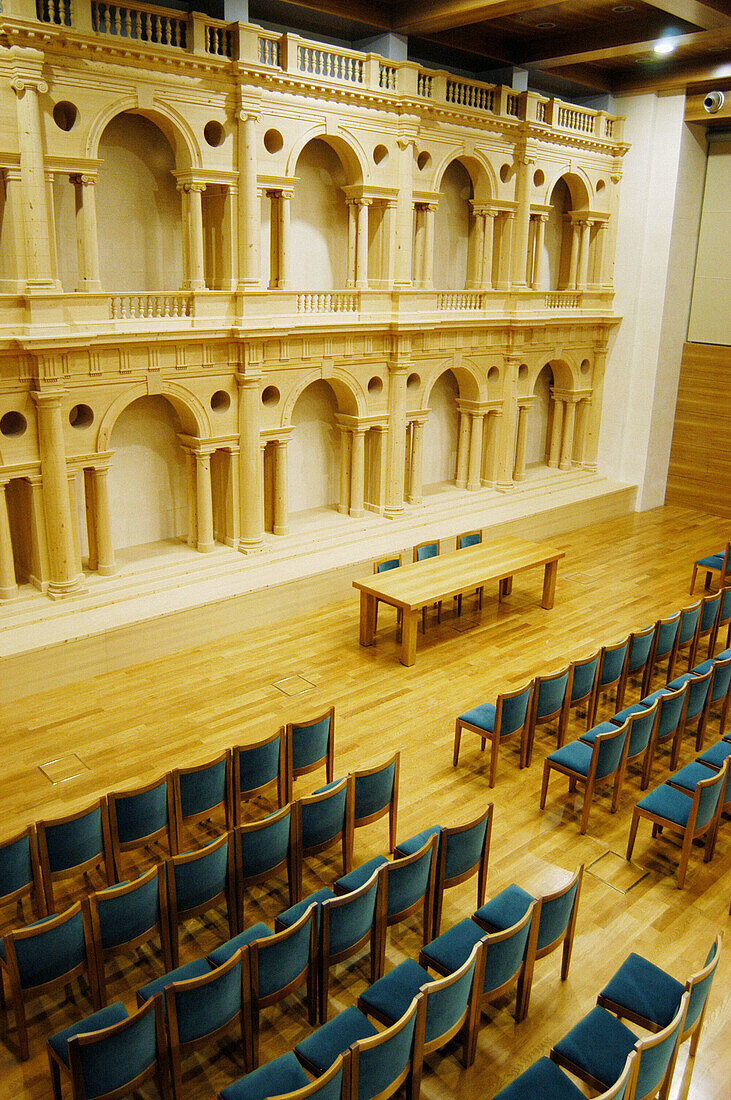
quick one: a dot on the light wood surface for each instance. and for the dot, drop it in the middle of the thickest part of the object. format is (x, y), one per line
(128, 726)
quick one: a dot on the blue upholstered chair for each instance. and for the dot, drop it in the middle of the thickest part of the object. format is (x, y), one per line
(596, 1050)
(688, 778)
(199, 791)
(380, 1062)
(128, 915)
(139, 817)
(385, 565)
(588, 763)
(309, 744)
(724, 619)
(20, 870)
(669, 722)
(668, 808)
(112, 1053)
(462, 851)
(505, 952)
(346, 923)
(76, 842)
(198, 881)
(452, 1002)
(551, 700)
(719, 691)
(555, 915)
(716, 755)
(469, 538)
(666, 631)
(205, 1006)
(641, 735)
(712, 564)
(646, 995)
(641, 644)
(584, 683)
(423, 552)
(45, 956)
(611, 673)
(257, 767)
(684, 639)
(375, 794)
(544, 1080)
(285, 1076)
(697, 697)
(326, 818)
(710, 610)
(494, 723)
(263, 849)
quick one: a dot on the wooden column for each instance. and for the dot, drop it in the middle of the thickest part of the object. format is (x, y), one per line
(251, 480)
(582, 277)
(13, 225)
(345, 453)
(490, 448)
(573, 256)
(554, 450)
(429, 212)
(519, 469)
(195, 279)
(389, 220)
(8, 584)
(229, 241)
(415, 491)
(248, 204)
(39, 229)
(538, 246)
(281, 487)
(475, 460)
(396, 460)
(463, 450)
(405, 211)
(204, 501)
(507, 427)
(361, 251)
(357, 473)
(192, 536)
(352, 238)
(476, 248)
(506, 239)
(419, 250)
(285, 257)
(87, 244)
(103, 515)
(64, 575)
(521, 221)
(595, 411)
(488, 244)
(582, 414)
(567, 445)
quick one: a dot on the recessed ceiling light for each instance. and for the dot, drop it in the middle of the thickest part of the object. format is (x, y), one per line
(665, 46)
(544, 26)
(622, 8)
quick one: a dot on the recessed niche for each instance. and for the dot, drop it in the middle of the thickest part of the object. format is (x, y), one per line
(220, 401)
(270, 396)
(493, 374)
(413, 382)
(375, 385)
(81, 416)
(423, 160)
(585, 366)
(273, 141)
(213, 133)
(380, 153)
(13, 423)
(65, 114)
(539, 178)
(505, 172)
(600, 185)
(522, 371)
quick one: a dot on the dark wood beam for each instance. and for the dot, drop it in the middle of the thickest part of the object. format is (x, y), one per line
(577, 50)
(427, 16)
(587, 76)
(376, 14)
(681, 78)
(707, 16)
(493, 45)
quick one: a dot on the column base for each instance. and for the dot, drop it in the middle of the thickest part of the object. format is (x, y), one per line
(248, 284)
(487, 484)
(460, 484)
(505, 486)
(590, 467)
(205, 547)
(251, 546)
(356, 513)
(414, 500)
(93, 287)
(280, 530)
(106, 570)
(473, 486)
(9, 593)
(343, 510)
(518, 477)
(393, 513)
(60, 590)
(567, 465)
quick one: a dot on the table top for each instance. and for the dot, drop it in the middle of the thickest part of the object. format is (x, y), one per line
(413, 586)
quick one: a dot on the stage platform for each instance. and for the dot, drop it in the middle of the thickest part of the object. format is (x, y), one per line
(166, 598)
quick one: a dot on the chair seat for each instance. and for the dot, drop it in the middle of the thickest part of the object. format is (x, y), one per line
(690, 776)
(392, 994)
(408, 847)
(292, 915)
(453, 947)
(506, 908)
(324, 1045)
(190, 970)
(223, 953)
(621, 717)
(604, 727)
(112, 1014)
(483, 717)
(650, 699)
(543, 1081)
(666, 802)
(283, 1075)
(645, 989)
(706, 666)
(576, 755)
(716, 754)
(356, 878)
(713, 561)
(599, 1044)
(680, 681)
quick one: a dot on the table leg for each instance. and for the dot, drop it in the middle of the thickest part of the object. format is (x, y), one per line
(549, 584)
(505, 587)
(408, 636)
(367, 618)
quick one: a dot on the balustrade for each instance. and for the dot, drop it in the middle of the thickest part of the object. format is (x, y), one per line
(478, 96)
(143, 24)
(125, 306)
(332, 65)
(328, 302)
(459, 300)
(269, 50)
(561, 300)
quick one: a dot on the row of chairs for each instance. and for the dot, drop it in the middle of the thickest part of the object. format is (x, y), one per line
(714, 564)
(611, 1058)
(551, 697)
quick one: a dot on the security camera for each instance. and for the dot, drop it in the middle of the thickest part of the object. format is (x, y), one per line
(713, 102)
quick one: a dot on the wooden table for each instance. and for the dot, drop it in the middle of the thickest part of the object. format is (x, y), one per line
(412, 587)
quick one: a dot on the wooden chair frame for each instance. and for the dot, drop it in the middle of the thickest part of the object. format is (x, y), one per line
(700, 719)
(561, 712)
(391, 808)
(19, 995)
(314, 1087)
(689, 832)
(34, 888)
(589, 780)
(419, 546)
(399, 612)
(652, 660)
(724, 572)
(411, 1075)
(345, 836)
(204, 815)
(228, 894)
(161, 926)
(442, 883)
(588, 698)
(688, 643)
(292, 862)
(706, 631)
(105, 856)
(655, 739)
(648, 753)
(329, 756)
(478, 591)
(722, 620)
(159, 1068)
(141, 842)
(641, 670)
(494, 735)
(240, 796)
(242, 1017)
(618, 683)
(426, 899)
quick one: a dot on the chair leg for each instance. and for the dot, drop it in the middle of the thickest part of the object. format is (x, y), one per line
(684, 857)
(493, 758)
(21, 1027)
(632, 834)
(55, 1077)
(323, 986)
(544, 783)
(586, 807)
(455, 753)
(692, 579)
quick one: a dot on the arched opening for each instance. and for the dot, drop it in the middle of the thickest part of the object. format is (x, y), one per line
(441, 434)
(319, 220)
(19, 501)
(314, 451)
(557, 239)
(147, 479)
(452, 229)
(538, 432)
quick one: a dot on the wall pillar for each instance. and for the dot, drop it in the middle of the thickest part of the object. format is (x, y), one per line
(104, 543)
(419, 250)
(519, 469)
(429, 212)
(357, 473)
(554, 450)
(87, 244)
(463, 450)
(193, 214)
(582, 413)
(416, 467)
(204, 498)
(229, 242)
(475, 460)
(582, 277)
(251, 479)
(538, 246)
(352, 238)
(249, 213)
(39, 230)
(405, 211)
(281, 487)
(361, 249)
(521, 222)
(476, 248)
(345, 461)
(13, 223)
(567, 445)
(192, 536)
(490, 448)
(573, 256)
(64, 574)
(389, 221)
(285, 251)
(8, 584)
(602, 258)
(595, 412)
(396, 446)
(487, 250)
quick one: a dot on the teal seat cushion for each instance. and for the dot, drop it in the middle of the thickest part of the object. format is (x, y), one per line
(716, 754)
(679, 681)
(666, 802)
(604, 727)
(223, 953)
(283, 1075)
(650, 699)
(292, 915)
(706, 666)
(599, 1044)
(645, 989)
(621, 717)
(713, 561)
(190, 970)
(408, 847)
(576, 755)
(324, 1045)
(393, 994)
(112, 1014)
(352, 881)
(483, 717)
(506, 908)
(691, 775)
(543, 1081)
(453, 947)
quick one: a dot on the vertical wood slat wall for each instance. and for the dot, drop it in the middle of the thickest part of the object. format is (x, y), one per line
(699, 475)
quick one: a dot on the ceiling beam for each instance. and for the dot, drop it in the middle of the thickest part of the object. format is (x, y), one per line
(492, 45)
(427, 16)
(704, 15)
(577, 49)
(375, 14)
(682, 78)
(587, 76)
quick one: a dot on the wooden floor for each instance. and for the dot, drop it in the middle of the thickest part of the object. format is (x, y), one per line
(127, 727)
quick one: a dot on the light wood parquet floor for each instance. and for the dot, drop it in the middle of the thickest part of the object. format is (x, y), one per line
(129, 726)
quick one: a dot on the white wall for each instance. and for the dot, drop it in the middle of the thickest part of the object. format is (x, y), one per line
(452, 229)
(319, 221)
(314, 450)
(710, 311)
(441, 432)
(535, 440)
(147, 478)
(138, 209)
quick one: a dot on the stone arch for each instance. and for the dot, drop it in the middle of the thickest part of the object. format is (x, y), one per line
(173, 125)
(190, 411)
(480, 171)
(349, 395)
(351, 155)
(468, 380)
(578, 184)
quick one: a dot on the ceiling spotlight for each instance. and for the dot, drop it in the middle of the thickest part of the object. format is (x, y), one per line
(621, 9)
(665, 46)
(546, 26)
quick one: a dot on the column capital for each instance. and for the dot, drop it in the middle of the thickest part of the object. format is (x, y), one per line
(189, 186)
(248, 114)
(85, 179)
(286, 193)
(21, 84)
(48, 398)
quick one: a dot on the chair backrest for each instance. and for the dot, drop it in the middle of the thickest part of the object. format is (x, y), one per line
(613, 662)
(462, 848)
(706, 797)
(689, 617)
(309, 742)
(720, 679)
(385, 564)
(709, 612)
(257, 765)
(199, 1006)
(264, 846)
(724, 612)
(640, 729)
(195, 878)
(73, 840)
(202, 787)
(103, 1062)
(279, 961)
(20, 869)
(122, 914)
(42, 952)
(698, 688)
(470, 538)
(584, 676)
(504, 952)
(375, 789)
(549, 693)
(381, 1063)
(511, 710)
(640, 644)
(657, 1053)
(624, 1085)
(699, 985)
(326, 815)
(347, 918)
(670, 711)
(608, 749)
(333, 1084)
(409, 879)
(666, 631)
(426, 550)
(447, 998)
(558, 910)
(137, 816)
